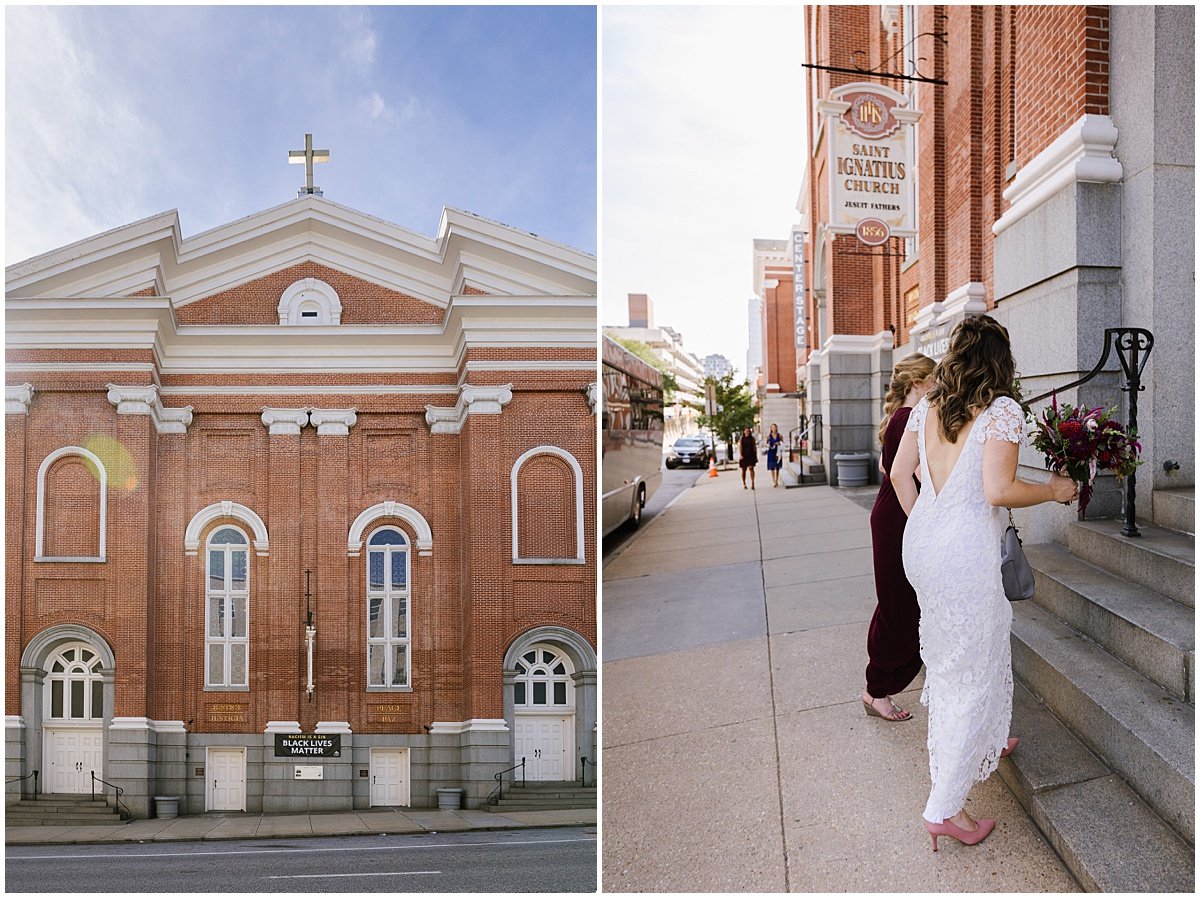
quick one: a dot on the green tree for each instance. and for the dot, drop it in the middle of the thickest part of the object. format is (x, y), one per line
(736, 409)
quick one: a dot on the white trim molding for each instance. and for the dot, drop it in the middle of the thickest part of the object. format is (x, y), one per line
(280, 726)
(927, 317)
(333, 726)
(1084, 152)
(969, 299)
(284, 420)
(40, 518)
(225, 509)
(332, 421)
(390, 509)
(143, 400)
(593, 396)
(852, 343)
(472, 400)
(578, 472)
(14, 721)
(17, 398)
(306, 292)
(131, 723)
(474, 725)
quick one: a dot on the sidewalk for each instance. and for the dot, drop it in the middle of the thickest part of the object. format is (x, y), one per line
(377, 821)
(737, 754)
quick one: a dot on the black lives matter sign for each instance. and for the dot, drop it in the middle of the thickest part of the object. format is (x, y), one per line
(300, 745)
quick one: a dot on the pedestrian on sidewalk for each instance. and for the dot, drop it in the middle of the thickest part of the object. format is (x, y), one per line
(893, 639)
(968, 462)
(774, 458)
(747, 456)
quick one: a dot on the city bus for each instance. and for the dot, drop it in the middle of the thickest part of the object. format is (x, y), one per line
(631, 449)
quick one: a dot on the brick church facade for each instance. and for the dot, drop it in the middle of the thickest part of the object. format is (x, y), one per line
(200, 431)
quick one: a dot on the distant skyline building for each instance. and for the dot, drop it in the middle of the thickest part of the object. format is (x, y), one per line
(716, 366)
(641, 310)
(772, 280)
(754, 352)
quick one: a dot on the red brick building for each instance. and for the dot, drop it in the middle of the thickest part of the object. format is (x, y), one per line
(773, 284)
(199, 431)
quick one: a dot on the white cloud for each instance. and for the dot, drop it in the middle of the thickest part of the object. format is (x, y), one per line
(69, 122)
(359, 40)
(703, 151)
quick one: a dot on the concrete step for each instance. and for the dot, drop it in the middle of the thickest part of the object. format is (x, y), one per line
(1137, 728)
(1149, 632)
(53, 806)
(1161, 560)
(1109, 839)
(63, 820)
(1175, 509)
(550, 792)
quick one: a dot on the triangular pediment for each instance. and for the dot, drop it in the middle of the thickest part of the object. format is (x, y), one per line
(470, 255)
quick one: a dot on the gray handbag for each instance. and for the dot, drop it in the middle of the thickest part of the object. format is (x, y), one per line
(1014, 567)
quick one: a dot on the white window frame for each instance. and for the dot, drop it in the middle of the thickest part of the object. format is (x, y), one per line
(92, 677)
(530, 676)
(578, 472)
(228, 596)
(40, 522)
(387, 595)
(308, 295)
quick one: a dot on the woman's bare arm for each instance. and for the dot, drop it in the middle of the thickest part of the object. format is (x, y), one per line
(1001, 486)
(904, 465)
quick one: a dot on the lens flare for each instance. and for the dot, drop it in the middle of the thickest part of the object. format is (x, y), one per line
(117, 461)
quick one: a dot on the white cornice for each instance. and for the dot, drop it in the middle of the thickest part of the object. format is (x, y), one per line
(854, 343)
(1084, 152)
(969, 299)
(152, 252)
(287, 421)
(332, 421)
(282, 726)
(17, 399)
(472, 400)
(333, 726)
(143, 400)
(477, 725)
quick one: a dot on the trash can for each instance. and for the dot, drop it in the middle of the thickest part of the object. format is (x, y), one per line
(449, 799)
(853, 468)
(166, 807)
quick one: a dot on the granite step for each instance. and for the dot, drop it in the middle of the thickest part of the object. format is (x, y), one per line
(1175, 509)
(1108, 838)
(1161, 560)
(1149, 632)
(1140, 731)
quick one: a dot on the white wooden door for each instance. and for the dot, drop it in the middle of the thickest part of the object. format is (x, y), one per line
(389, 777)
(72, 753)
(226, 779)
(547, 746)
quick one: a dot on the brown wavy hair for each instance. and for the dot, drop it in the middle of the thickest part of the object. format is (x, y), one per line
(977, 368)
(910, 370)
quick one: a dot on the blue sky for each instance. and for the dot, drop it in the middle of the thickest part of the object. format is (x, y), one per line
(116, 113)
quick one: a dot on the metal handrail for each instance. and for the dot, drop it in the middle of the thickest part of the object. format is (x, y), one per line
(17, 779)
(498, 792)
(1133, 345)
(121, 808)
(583, 763)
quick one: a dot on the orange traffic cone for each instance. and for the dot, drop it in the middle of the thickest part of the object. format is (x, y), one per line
(712, 467)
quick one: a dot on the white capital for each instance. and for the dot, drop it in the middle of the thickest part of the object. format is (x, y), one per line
(284, 420)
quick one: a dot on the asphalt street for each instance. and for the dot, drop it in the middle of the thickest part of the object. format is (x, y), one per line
(549, 860)
(673, 483)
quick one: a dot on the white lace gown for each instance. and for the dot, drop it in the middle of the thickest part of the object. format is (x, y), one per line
(952, 559)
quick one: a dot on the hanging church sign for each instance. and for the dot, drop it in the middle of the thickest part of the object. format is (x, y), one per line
(871, 135)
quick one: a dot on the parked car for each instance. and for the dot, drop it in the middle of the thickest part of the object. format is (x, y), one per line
(688, 452)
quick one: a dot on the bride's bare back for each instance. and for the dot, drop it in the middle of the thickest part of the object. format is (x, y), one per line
(940, 456)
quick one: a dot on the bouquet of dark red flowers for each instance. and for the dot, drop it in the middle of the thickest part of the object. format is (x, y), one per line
(1079, 443)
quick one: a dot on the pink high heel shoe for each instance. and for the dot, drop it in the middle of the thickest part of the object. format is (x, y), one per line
(947, 828)
(1012, 746)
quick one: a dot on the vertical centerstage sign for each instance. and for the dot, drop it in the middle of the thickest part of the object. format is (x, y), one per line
(871, 132)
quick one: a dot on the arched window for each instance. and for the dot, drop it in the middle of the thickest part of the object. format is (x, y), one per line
(227, 609)
(388, 658)
(544, 680)
(310, 301)
(72, 498)
(76, 690)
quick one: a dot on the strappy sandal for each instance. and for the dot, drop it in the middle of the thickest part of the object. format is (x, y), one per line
(894, 717)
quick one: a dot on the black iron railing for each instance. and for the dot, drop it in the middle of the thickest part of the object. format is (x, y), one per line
(17, 779)
(1133, 346)
(584, 763)
(498, 792)
(810, 429)
(117, 793)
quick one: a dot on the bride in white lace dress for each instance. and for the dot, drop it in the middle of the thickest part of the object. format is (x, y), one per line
(964, 437)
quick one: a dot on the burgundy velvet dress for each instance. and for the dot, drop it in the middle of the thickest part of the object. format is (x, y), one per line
(893, 641)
